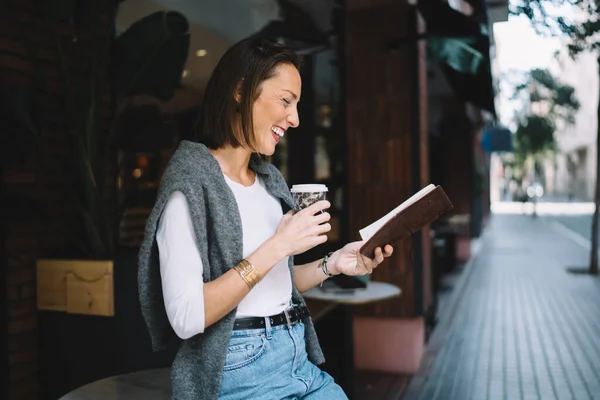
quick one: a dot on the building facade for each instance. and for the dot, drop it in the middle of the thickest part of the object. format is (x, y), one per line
(576, 156)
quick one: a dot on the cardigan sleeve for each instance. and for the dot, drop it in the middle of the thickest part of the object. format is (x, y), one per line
(181, 268)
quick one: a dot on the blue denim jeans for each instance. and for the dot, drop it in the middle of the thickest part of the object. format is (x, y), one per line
(272, 363)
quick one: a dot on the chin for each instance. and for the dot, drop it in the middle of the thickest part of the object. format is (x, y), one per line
(267, 152)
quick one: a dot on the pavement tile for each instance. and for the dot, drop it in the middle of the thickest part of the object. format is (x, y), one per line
(525, 328)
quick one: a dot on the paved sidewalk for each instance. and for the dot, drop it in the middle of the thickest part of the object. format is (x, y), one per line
(523, 328)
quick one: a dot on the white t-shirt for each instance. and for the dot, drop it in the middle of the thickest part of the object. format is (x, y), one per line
(181, 266)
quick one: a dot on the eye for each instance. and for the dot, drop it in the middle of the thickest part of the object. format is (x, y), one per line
(286, 101)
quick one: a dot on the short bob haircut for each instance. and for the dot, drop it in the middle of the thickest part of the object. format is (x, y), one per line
(249, 62)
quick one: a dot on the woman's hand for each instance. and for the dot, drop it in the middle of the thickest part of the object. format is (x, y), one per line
(349, 261)
(300, 231)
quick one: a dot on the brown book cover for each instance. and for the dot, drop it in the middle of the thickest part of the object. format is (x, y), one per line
(411, 216)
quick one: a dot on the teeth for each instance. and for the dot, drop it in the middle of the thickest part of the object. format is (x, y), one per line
(278, 131)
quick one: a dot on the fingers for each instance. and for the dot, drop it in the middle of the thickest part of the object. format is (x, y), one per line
(321, 239)
(365, 265)
(364, 262)
(322, 217)
(321, 221)
(378, 255)
(388, 250)
(322, 228)
(370, 264)
(317, 225)
(316, 207)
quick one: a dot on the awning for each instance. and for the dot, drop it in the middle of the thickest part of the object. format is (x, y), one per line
(297, 30)
(458, 53)
(444, 21)
(462, 46)
(497, 139)
(476, 88)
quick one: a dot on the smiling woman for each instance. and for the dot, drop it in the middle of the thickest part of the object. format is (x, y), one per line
(275, 108)
(252, 96)
(217, 262)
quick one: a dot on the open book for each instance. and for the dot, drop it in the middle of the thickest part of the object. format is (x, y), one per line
(421, 209)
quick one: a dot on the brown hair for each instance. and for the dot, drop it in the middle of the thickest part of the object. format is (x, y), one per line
(248, 63)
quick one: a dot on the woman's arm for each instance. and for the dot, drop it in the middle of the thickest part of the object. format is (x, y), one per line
(192, 305)
(347, 261)
(296, 233)
(188, 299)
(308, 275)
(180, 268)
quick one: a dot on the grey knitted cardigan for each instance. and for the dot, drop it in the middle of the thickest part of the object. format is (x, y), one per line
(197, 369)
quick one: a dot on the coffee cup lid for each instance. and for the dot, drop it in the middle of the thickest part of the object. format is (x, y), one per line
(309, 188)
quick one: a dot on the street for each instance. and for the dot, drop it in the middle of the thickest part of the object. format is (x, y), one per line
(581, 224)
(572, 220)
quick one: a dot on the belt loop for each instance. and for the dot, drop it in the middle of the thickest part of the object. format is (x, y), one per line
(268, 327)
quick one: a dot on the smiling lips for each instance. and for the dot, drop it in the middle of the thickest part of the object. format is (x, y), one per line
(277, 133)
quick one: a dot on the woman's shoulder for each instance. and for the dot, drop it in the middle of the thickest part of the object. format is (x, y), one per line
(192, 161)
(192, 154)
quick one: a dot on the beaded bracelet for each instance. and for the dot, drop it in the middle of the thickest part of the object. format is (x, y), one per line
(324, 265)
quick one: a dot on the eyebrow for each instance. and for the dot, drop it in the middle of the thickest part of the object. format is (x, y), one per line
(292, 93)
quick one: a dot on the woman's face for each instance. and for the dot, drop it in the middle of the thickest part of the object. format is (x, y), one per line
(275, 110)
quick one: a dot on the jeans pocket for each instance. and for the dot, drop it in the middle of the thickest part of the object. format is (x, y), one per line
(243, 351)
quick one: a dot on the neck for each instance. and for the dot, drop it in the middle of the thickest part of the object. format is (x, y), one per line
(234, 163)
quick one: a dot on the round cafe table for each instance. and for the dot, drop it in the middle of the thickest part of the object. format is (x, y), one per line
(375, 291)
(152, 384)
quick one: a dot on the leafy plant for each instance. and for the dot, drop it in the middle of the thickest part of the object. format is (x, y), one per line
(535, 135)
(546, 105)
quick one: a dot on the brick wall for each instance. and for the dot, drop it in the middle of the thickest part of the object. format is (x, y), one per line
(32, 188)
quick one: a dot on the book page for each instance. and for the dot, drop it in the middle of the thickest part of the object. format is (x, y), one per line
(370, 230)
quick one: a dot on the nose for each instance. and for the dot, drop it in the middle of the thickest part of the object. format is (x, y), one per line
(293, 119)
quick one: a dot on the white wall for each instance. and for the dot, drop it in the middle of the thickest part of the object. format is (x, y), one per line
(582, 74)
(577, 142)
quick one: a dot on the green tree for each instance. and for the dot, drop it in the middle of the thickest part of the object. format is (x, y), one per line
(582, 33)
(548, 104)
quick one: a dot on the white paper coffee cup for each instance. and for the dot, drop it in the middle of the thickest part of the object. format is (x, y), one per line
(307, 194)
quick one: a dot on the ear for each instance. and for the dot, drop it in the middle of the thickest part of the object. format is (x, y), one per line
(238, 91)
